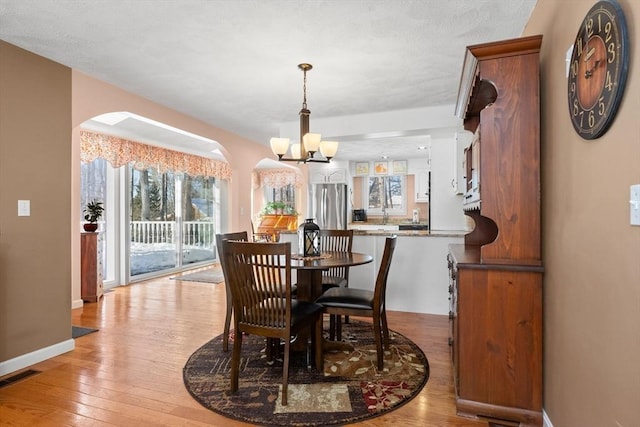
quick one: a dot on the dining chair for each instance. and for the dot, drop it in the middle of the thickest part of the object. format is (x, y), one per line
(220, 238)
(335, 240)
(260, 278)
(366, 303)
(259, 236)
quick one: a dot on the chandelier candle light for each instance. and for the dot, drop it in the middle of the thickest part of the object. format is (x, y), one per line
(310, 143)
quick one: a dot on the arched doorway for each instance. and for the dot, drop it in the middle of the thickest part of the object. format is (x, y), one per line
(162, 189)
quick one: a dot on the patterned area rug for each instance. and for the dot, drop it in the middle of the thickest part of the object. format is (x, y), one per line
(210, 275)
(350, 389)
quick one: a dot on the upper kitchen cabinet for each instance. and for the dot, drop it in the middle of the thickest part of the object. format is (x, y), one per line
(328, 176)
(422, 186)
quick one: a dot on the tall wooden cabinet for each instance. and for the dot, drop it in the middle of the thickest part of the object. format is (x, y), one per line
(496, 275)
(90, 267)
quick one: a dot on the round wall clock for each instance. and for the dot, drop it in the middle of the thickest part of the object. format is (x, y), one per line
(598, 72)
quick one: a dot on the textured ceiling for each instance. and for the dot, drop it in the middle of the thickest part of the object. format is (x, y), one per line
(233, 63)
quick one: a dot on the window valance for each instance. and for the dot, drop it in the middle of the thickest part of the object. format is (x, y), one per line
(119, 152)
(276, 178)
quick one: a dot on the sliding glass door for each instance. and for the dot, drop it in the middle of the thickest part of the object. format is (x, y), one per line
(199, 207)
(152, 224)
(172, 219)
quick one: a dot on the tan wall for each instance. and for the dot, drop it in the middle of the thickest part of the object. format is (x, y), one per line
(591, 253)
(35, 165)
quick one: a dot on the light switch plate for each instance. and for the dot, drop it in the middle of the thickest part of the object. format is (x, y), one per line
(634, 204)
(24, 207)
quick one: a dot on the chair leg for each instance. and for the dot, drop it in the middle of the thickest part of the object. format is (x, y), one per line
(235, 360)
(338, 327)
(378, 335)
(385, 329)
(285, 371)
(318, 345)
(332, 327)
(227, 323)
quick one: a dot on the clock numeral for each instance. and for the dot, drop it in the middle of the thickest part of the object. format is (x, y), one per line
(588, 26)
(579, 47)
(601, 105)
(592, 118)
(572, 88)
(576, 108)
(574, 69)
(599, 23)
(611, 48)
(581, 115)
(607, 30)
(607, 81)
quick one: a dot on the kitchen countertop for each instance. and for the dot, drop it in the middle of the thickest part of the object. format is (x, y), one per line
(411, 233)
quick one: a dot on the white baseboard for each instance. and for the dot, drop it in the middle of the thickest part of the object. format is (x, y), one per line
(37, 356)
(546, 422)
(78, 303)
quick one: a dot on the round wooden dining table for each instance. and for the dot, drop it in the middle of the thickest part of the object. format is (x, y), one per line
(309, 283)
(309, 270)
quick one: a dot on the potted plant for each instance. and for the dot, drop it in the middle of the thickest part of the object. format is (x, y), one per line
(280, 208)
(92, 214)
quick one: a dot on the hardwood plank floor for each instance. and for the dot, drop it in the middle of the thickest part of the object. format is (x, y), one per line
(130, 372)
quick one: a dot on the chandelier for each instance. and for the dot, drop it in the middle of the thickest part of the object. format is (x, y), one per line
(310, 143)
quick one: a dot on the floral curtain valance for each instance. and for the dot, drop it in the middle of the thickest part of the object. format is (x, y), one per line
(276, 178)
(119, 152)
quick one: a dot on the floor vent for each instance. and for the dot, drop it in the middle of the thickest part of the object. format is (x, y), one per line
(17, 377)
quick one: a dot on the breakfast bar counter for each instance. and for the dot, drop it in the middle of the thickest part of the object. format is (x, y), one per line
(419, 277)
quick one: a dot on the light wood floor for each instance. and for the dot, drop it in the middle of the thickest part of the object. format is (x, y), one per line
(130, 372)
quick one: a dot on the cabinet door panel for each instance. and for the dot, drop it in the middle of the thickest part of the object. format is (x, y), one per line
(500, 341)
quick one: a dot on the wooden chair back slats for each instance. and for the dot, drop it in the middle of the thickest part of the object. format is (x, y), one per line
(336, 241)
(260, 281)
(261, 284)
(220, 238)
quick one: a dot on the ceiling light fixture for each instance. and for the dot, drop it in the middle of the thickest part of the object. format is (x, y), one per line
(310, 143)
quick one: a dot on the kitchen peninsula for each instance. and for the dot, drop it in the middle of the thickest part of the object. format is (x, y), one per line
(418, 279)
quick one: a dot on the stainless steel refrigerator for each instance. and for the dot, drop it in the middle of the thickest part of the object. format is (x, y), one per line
(328, 205)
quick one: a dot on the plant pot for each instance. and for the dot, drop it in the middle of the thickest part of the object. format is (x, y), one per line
(90, 226)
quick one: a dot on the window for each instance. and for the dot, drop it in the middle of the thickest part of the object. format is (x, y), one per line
(94, 186)
(285, 194)
(172, 220)
(386, 194)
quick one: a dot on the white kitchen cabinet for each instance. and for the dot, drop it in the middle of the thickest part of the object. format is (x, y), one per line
(328, 176)
(422, 186)
(443, 201)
